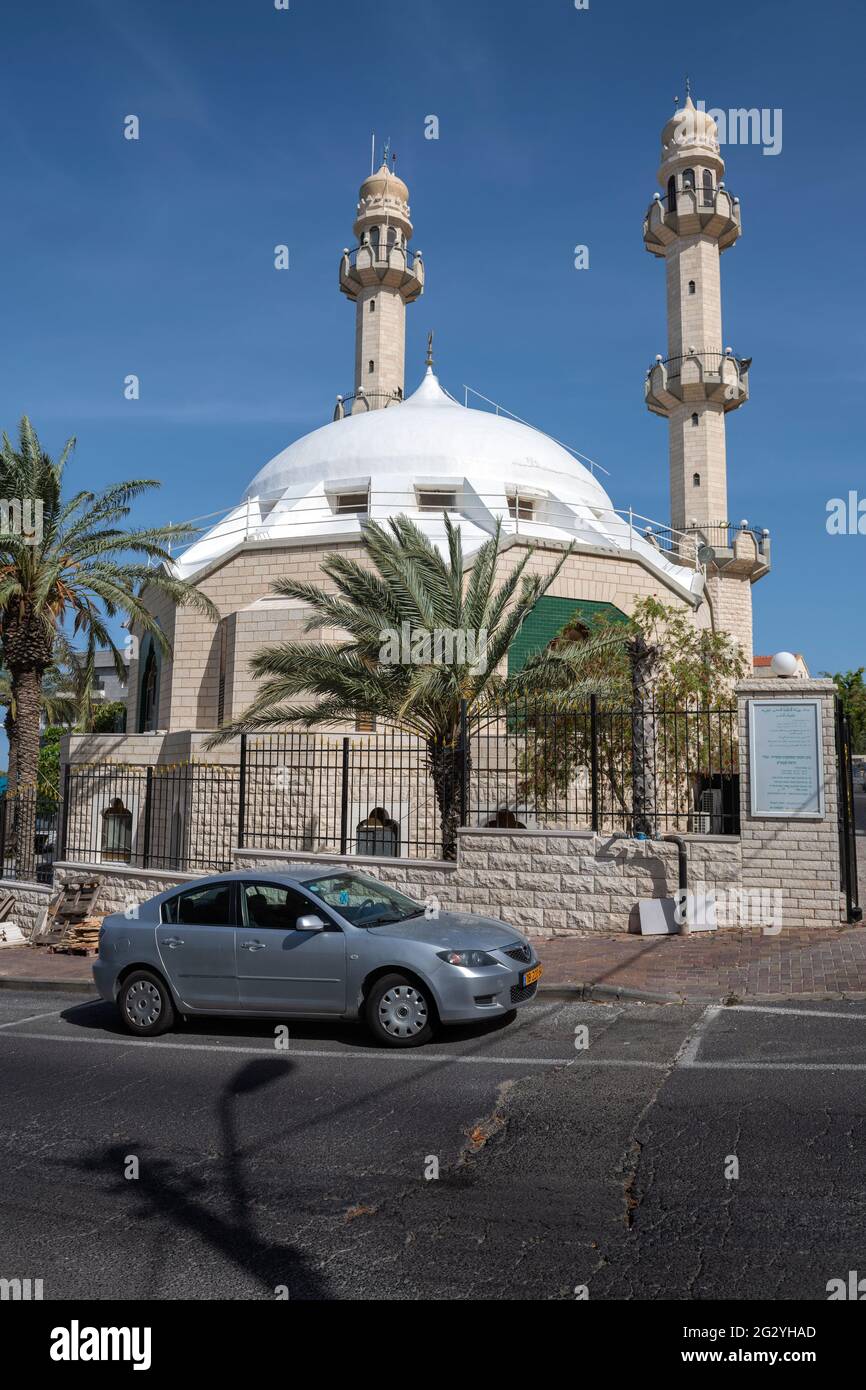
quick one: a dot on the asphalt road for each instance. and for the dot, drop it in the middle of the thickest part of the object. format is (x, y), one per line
(605, 1166)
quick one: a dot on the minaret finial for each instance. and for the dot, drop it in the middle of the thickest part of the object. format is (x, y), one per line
(386, 153)
(688, 88)
(429, 361)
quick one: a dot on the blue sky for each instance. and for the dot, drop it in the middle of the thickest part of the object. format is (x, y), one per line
(156, 256)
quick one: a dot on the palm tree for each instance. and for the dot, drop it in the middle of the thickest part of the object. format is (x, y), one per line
(75, 570)
(390, 667)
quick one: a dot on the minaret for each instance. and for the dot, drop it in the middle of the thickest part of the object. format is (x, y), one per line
(382, 276)
(699, 380)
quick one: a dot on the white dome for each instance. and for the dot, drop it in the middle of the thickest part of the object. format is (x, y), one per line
(417, 458)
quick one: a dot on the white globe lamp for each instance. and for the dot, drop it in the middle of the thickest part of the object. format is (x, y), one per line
(783, 664)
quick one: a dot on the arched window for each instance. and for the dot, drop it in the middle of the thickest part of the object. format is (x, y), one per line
(392, 237)
(371, 366)
(695, 419)
(696, 480)
(692, 287)
(374, 239)
(688, 178)
(116, 838)
(505, 820)
(709, 190)
(672, 194)
(378, 835)
(148, 704)
(372, 306)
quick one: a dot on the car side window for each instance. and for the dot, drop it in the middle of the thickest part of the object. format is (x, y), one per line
(276, 906)
(209, 906)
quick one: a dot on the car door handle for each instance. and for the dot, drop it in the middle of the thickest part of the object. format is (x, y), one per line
(173, 941)
(253, 945)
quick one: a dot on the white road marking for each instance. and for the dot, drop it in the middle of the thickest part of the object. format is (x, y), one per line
(777, 1009)
(418, 1055)
(688, 1053)
(30, 1018)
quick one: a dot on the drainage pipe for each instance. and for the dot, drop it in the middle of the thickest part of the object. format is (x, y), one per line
(683, 862)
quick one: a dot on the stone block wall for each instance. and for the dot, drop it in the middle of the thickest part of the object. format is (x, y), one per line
(547, 883)
(798, 857)
(31, 900)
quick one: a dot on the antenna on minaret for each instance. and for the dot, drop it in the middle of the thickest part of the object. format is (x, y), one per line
(429, 361)
(373, 153)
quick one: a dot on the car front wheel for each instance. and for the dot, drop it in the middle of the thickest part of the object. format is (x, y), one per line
(145, 1004)
(400, 1012)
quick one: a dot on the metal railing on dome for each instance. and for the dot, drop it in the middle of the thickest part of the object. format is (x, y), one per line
(521, 513)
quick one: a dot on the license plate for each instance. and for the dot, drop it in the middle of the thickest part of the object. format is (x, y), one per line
(530, 976)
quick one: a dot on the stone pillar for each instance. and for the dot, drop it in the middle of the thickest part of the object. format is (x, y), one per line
(799, 857)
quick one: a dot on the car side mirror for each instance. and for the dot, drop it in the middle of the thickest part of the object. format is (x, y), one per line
(311, 921)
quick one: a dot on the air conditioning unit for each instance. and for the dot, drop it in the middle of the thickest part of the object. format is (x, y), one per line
(710, 818)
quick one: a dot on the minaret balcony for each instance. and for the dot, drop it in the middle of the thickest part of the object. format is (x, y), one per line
(709, 212)
(698, 375)
(396, 267)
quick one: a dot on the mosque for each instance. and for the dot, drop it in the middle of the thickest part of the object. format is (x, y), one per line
(424, 453)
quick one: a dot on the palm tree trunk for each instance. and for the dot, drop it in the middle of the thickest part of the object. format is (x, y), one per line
(12, 760)
(643, 659)
(10, 836)
(445, 760)
(26, 687)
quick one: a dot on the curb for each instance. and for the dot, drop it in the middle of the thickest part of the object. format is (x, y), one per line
(50, 986)
(603, 994)
(609, 993)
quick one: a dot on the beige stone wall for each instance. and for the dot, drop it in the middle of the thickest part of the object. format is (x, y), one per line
(731, 598)
(241, 586)
(798, 857)
(380, 338)
(31, 901)
(122, 889)
(698, 449)
(549, 884)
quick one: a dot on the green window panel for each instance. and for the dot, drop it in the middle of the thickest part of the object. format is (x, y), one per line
(547, 618)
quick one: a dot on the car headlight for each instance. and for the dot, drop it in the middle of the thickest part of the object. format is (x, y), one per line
(470, 958)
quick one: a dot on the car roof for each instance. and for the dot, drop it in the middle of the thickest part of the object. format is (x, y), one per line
(299, 873)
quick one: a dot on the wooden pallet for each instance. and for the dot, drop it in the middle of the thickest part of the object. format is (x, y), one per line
(71, 907)
(79, 938)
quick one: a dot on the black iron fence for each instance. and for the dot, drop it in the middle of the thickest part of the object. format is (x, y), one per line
(29, 829)
(387, 792)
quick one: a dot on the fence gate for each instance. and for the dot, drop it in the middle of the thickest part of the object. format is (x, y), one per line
(847, 825)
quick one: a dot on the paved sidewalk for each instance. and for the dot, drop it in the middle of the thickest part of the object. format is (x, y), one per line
(822, 962)
(819, 962)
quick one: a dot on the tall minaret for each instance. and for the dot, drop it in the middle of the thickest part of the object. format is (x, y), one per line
(690, 224)
(382, 276)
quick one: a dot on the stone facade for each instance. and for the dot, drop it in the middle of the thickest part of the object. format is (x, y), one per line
(547, 883)
(31, 901)
(800, 858)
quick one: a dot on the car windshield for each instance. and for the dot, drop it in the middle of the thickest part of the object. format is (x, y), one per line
(363, 901)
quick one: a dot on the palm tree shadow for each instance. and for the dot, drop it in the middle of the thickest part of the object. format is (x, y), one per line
(165, 1190)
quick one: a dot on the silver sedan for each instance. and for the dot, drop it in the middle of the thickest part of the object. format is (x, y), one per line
(316, 943)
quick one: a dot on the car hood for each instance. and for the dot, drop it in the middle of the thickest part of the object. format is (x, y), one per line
(453, 931)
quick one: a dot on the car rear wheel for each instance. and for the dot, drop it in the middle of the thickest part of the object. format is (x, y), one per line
(145, 1004)
(400, 1012)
